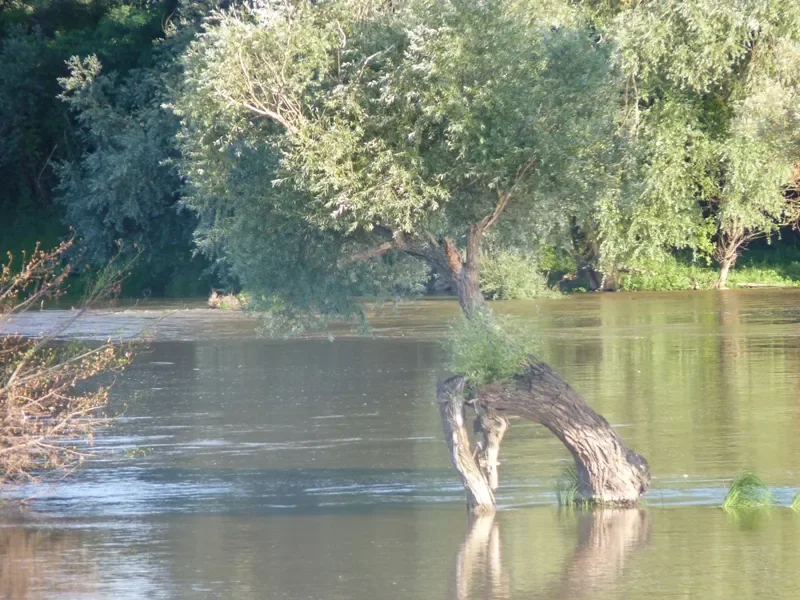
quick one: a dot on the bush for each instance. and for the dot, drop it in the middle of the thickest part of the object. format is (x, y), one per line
(748, 492)
(506, 275)
(46, 391)
(483, 350)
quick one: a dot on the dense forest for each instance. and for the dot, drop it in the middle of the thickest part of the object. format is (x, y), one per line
(311, 153)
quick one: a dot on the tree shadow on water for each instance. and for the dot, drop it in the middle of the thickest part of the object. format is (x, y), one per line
(606, 540)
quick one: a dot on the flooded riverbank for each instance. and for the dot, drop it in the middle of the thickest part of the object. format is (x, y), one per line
(241, 467)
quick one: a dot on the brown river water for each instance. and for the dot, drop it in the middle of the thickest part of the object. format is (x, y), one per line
(242, 467)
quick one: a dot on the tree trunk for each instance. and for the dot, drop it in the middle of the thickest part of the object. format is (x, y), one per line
(480, 497)
(724, 270)
(609, 473)
(489, 429)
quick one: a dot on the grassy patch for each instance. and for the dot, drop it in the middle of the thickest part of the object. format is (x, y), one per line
(567, 486)
(748, 492)
(486, 349)
(779, 267)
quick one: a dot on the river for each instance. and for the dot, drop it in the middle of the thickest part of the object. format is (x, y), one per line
(241, 467)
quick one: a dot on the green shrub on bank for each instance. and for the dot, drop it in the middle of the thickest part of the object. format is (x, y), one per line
(484, 350)
(667, 274)
(761, 268)
(748, 492)
(507, 275)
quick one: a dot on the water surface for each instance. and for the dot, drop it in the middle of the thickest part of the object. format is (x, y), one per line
(316, 469)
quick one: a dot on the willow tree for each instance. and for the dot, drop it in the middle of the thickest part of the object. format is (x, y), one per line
(338, 148)
(712, 89)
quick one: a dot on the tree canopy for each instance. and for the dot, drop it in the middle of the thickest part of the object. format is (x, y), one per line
(316, 137)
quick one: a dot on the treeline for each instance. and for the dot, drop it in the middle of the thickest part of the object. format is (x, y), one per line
(264, 145)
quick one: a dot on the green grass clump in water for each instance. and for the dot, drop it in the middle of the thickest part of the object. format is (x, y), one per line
(796, 503)
(487, 348)
(567, 486)
(748, 492)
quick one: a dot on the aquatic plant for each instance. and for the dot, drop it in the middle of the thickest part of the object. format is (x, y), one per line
(567, 486)
(748, 492)
(795, 505)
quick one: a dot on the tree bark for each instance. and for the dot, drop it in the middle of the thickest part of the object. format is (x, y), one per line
(724, 270)
(489, 430)
(480, 497)
(609, 473)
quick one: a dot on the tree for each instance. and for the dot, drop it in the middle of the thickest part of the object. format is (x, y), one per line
(330, 147)
(125, 187)
(48, 388)
(36, 38)
(711, 100)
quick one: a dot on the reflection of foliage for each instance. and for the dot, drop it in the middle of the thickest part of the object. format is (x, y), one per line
(484, 350)
(748, 492)
(43, 399)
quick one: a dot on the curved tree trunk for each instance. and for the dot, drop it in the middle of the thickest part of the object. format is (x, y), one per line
(608, 471)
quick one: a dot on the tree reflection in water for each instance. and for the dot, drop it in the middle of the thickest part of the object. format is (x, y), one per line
(36, 563)
(606, 538)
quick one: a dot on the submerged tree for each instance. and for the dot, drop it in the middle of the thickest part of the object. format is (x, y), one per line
(344, 148)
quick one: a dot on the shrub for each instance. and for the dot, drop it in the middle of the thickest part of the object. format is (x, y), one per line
(483, 349)
(506, 275)
(47, 393)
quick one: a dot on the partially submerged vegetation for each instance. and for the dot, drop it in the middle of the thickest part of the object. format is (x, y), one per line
(748, 492)
(226, 300)
(486, 349)
(50, 401)
(566, 487)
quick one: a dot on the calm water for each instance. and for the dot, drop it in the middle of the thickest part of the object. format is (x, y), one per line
(315, 469)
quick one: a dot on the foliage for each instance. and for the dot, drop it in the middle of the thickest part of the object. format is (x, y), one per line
(35, 41)
(316, 134)
(775, 265)
(506, 275)
(227, 301)
(795, 506)
(486, 349)
(711, 121)
(125, 186)
(100, 161)
(748, 492)
(48, 392)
